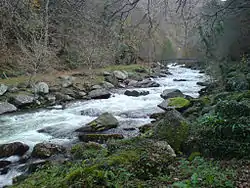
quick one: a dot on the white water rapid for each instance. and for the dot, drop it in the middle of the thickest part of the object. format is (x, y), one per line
(58, 125)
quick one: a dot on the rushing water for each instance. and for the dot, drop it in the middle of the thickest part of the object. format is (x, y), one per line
(58, 125)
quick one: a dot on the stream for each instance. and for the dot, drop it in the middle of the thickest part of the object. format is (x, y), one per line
(57, 126)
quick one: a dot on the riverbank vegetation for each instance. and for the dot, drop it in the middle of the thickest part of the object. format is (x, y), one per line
(203, 142)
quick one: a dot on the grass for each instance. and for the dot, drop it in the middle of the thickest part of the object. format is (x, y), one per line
(93, 76)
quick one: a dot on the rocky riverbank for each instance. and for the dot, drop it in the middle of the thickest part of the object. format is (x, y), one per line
(166, 152)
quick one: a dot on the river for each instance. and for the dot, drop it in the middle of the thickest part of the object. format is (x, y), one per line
(58, 125)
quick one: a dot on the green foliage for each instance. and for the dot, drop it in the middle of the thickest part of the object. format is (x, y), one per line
(202, 173)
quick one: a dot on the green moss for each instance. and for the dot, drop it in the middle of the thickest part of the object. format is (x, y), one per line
(193, 155)
(125, 157)
(179, 102)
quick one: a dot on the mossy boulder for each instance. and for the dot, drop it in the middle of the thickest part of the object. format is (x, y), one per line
(178, 103)
(103, 122)
(46, 150)
(173, 128)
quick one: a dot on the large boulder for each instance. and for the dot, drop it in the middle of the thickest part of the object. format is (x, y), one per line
(99, 94)
(67, 81)
(46, 150)
(22, 100)
(15, 148)
(107, 85)
(100, 138)
(103, 122)
(112, 79)
(135, 93)
(41, 88)
(6, 107)
(171, 93)
(120, 75)
(179, 103)
(173, 128)
(3, 89)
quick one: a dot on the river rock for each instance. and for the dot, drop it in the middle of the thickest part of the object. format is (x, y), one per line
(99, 94)
(132, 83)
(63, 97)
(22, 100)
(100, 138)
(103, 122)
(120, 75)
(179, 80)
(6, 107)
(41, 88)
(96, 87)
(179, 103)
(106, 73)
(46, 150)
(107, 85)
(203, 83)
(67, 81)
(147, 83)
(15, 148)
(112, 79)
(135, 93)
(3, 89)
(4, 164)
(171, 93)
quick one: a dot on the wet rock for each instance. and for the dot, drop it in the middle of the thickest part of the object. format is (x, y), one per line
(103, 122)
(203, 83)
(135, 93)
(96, 87)
(120, 75)
(100, 138)
(121, 85)
(51, 99)
(171, 93)
(6, 107)
(41, 88)
(15, 148)
(22, 100)
(132, 83)
(129, 129)
(147, 83)
(106, 73)
(4, 171)
(63, 97)
(46, 150)
(99, 94)
(107, 85)
(179, 80)
(3, 89)
(4, 164)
